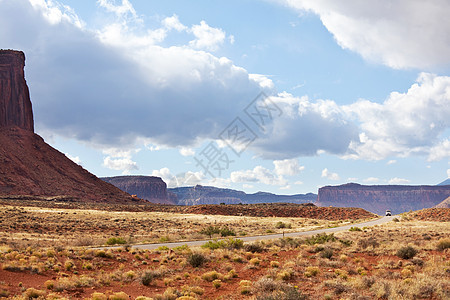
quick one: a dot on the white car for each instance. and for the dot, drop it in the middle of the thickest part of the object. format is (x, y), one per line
(388, 213)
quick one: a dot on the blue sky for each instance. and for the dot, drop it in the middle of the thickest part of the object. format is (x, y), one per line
(350, 91)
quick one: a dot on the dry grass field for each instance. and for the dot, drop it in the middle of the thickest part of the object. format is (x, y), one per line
(45, 254)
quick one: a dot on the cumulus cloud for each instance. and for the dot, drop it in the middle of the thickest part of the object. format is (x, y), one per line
(397, 180)
(287, 167)
(179, 180)
(120, 160)
(258, 175)
(207, 37)
(306, 128)
(391, 162)
(121, 164)
(187, 151)
(400, 34)
(372, 180)
(406, 123)
(330, 175)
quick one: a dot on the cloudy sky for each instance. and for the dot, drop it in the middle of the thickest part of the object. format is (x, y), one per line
(282, 96)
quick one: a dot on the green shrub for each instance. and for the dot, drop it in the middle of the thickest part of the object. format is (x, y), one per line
(227, 244)
(196, 259)
(326, 253)
(407, 252)
(443, 244)
(281, 225)
(116, 241)
(320, 239)
(254, 247)
(225, 231)
(355, 229)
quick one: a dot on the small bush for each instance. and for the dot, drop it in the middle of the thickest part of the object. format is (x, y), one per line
(119, 296)
(32, 293)
(355, 229)
(320, 239)
(116, 241)
(217, 283)
(99, 296)
(148, 276)
(281, 225)
(443, 244)
(212, 275)
(326, 253)
(254, 247)
(196, 260)
(407, 252)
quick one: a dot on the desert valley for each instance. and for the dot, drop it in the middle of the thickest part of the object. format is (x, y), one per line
(66, 234)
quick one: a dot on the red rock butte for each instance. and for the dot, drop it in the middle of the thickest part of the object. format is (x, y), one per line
(15, 104)
(28, 165)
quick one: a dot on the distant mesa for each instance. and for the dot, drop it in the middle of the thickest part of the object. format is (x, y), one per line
(29, 166)
(150, 188)
(379, 198)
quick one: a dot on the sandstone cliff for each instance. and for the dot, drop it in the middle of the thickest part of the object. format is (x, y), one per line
(379, 198)
(29, 166)
(15, 104)
(444, 204)
(150, 188)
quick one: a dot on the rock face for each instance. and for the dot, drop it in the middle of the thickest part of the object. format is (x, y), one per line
(212, 195)
(150, 188)
(29, 166)
(379, 198)
(15, 104)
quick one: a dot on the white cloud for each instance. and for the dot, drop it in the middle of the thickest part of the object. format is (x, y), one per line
(75, 159)
(121, 164)
(173, 23)
(448, 173)
(55, 12)
(391, 162)
(397, 180)
(120, 10)
(298, 182)
(187, 151)
(120, 159)
(440, 151)
(400, 34)
(179, 180)
(247, 186)
(329, 175)
(372, 180)
(287, 167)
(258, 175)
(287, 187)
(207, 37)
(406, 123)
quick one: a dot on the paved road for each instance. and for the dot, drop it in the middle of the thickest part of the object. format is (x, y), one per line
(269, 236)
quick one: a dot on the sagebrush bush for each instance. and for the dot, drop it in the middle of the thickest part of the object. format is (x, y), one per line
(196, 259)
(443, 244)
(406, 252)
(116, 241)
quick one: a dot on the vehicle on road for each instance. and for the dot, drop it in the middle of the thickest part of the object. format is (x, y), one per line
(388, 213)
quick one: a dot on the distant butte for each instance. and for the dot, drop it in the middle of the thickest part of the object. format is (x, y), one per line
(28, 165)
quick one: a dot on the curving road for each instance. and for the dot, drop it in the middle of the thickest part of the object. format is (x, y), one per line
(269, 236)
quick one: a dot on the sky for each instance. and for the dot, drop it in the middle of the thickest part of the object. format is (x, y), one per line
(282, 96)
